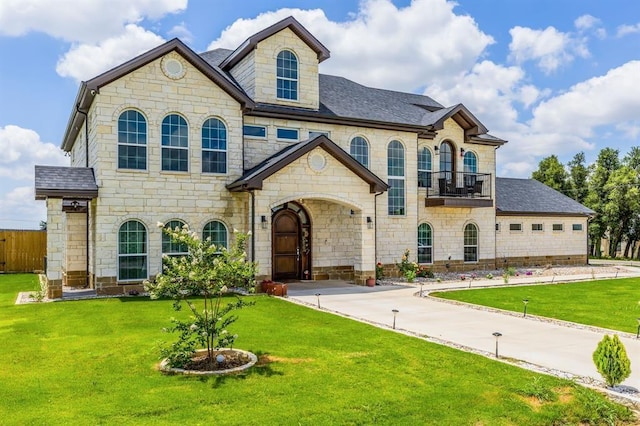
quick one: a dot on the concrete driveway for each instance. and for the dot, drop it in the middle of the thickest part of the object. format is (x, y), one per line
(564, 350)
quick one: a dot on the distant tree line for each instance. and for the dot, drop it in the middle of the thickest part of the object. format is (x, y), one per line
(610, 187)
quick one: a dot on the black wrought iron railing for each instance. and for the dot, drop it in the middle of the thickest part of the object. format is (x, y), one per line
(455, 184)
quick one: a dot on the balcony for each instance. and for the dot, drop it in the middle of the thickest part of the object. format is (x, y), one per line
(456, 189)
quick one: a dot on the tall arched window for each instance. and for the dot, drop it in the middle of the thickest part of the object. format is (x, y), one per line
(132, 141)
(470, 243)
(395, 172)
(424, 168)
(447, 164)
(216, 232)
(470, 163)
(287, 75)
(214, 146)
(359, 149)
(171, 247)
(132, 251)
(175, 143)
(425, 243)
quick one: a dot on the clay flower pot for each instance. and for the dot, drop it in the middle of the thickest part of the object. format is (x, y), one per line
(371, 282)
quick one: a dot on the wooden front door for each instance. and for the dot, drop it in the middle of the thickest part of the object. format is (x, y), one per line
(286, 245)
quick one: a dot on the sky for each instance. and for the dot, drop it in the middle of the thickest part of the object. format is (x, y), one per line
(549, 76)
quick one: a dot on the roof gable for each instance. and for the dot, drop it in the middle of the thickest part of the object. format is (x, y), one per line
(89, 89)
(254, 178)
(290, 22)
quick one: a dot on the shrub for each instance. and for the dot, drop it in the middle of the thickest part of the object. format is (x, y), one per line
(379, 271)
(407, 269)
(611, 360)
(424, 272)
(198, 281)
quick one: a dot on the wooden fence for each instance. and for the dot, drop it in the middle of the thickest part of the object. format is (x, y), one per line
(22, 251)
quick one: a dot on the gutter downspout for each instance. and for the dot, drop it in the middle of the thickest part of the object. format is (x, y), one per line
(495, 216)
(86, 164)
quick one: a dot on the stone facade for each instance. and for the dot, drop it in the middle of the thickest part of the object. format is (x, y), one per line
(350, 229)
(541, 240)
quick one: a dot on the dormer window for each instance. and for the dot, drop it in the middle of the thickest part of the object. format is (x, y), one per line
(287, 75)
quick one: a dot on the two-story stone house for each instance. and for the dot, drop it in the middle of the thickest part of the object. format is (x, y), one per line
(329, 176)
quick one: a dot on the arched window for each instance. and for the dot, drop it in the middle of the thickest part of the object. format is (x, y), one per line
(470, 173)
(216, 232)
(470, 162)
(470, 243)
(395, 172)
(287, 75)
(359, 149)
(132, 251)
(132, 141)
(424, 168)
(214, 146)
(175, 143)
(171, 247)
(425, 243)
(446, 160)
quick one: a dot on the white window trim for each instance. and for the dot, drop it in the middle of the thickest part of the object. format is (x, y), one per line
(146, 243)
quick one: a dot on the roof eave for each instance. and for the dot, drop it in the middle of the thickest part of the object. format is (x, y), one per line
(43, 194)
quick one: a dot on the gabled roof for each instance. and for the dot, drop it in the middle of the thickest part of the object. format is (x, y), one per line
(289, 22)
(460, 115)
(530, 197)
(89, 89)
(254, 178)
(65, 182)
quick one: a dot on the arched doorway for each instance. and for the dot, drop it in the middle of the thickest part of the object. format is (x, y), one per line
(290, 242)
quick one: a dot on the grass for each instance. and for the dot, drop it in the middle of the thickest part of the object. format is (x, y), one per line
(613, 304)
(92, 362)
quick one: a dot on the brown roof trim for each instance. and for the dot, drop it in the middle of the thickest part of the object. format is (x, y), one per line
(89, 89)
(43, 194)
(541, 214)
(315, 117)
(464, 118)
(255, 178)
(290, 22)
(479, 140)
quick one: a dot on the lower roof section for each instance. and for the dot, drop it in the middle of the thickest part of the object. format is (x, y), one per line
(65, 182)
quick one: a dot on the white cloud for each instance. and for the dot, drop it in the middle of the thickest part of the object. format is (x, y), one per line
(624, 30)
(85, 61)
(550, 48)
(21, 150)
(80, 21)
(586, 22)
(599, 101)
(20, 210)
(379, 46)
(182, 32)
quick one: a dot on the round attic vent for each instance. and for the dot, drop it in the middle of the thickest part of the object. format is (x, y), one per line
(317, 162)
(173, 68)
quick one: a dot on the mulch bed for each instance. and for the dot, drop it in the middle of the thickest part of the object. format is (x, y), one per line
(232, 359)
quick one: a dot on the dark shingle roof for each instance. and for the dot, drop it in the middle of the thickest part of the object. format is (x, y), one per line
(521, 196)
(58, 182)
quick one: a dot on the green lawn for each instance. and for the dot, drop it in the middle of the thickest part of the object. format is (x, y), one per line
(92, 362)
(613, 304)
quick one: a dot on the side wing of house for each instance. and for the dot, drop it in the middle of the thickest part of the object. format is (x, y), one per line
(538, 226)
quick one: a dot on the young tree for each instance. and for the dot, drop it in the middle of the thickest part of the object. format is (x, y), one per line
(606, 164)
(551, 172)
(578, 176)
(611, 360)
(199, 281)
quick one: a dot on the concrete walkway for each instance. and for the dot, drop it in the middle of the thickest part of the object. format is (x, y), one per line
(562, 349)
